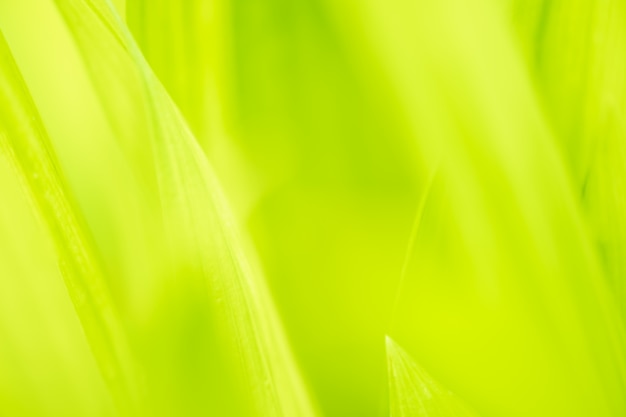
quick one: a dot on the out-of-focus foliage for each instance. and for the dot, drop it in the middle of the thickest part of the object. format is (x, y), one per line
(576, 54)
(202, 327)
(449, 173)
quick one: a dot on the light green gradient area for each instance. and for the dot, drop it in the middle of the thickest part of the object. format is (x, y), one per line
(312, 208)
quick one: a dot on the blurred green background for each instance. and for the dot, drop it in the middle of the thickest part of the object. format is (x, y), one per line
(312, 208)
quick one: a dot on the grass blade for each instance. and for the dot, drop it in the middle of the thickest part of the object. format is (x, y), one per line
(414, 393)
(25, 143)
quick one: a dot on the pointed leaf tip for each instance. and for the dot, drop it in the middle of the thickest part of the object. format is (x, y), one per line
(414, 393)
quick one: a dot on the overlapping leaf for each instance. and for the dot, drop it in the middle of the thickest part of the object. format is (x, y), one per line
(203, 325)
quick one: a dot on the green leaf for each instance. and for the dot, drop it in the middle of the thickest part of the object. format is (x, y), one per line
(25, 148)
(414, 393)
(206, 334)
